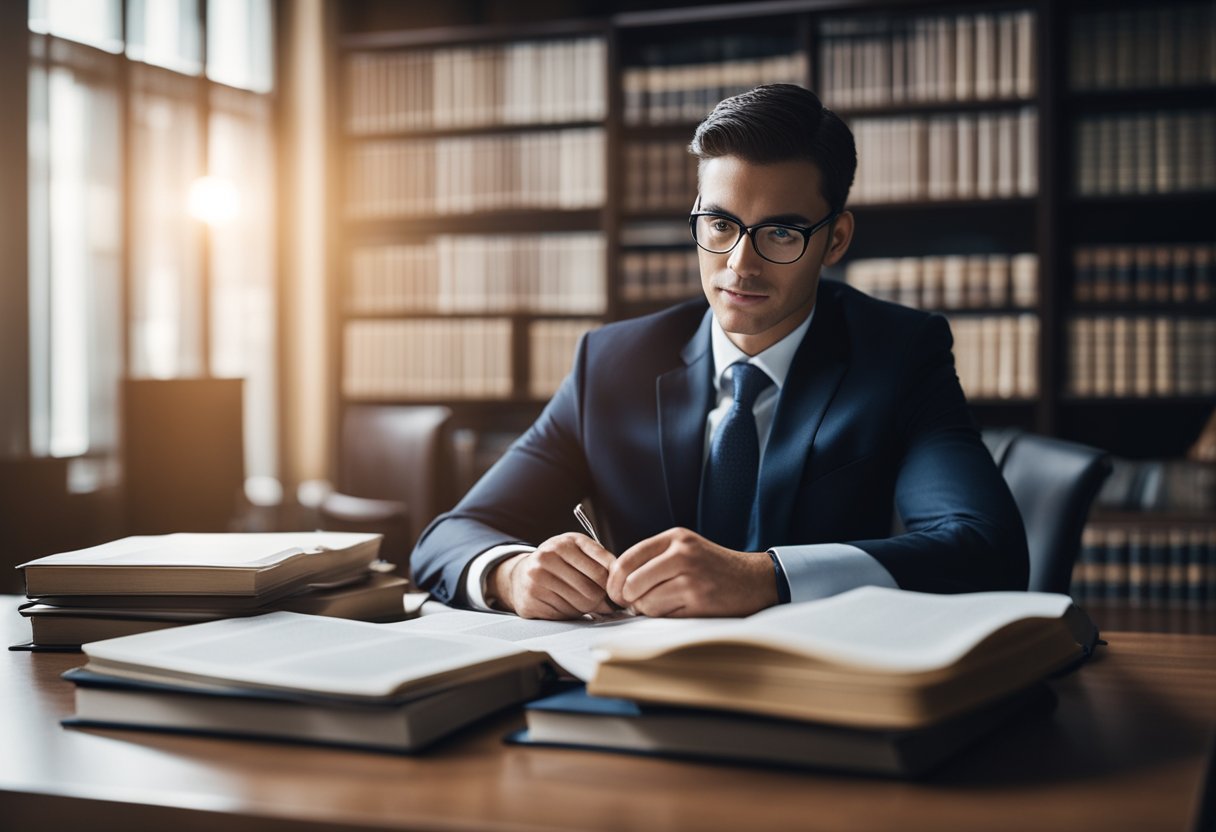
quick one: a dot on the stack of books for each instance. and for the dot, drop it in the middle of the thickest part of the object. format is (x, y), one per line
(299, 678)
(874, 680)
(153, 582)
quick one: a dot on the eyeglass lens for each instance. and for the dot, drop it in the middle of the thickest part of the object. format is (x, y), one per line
(778, 243)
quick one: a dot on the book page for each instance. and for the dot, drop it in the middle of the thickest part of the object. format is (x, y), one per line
(569, 644)
(871, 628)
(297, 652)
(205, 550)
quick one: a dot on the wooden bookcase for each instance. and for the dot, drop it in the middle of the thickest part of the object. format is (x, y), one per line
(648, 260)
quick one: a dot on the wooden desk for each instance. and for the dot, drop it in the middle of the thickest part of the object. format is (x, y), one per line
(1126, 749)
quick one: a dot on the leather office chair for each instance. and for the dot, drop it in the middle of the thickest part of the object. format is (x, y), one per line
(1054, 483)
(394, 475)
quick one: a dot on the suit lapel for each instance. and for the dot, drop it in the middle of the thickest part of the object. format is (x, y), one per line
(815, 374)
(685, 396)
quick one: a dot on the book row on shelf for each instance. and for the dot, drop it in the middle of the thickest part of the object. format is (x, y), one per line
(561, 169)
(469, 273)
(997, 356)
(551, 346)
(975, 281)
(659, 176)
(421, 359)
(533, 82)
(1162, 46)
(680, 84)
(1146, 153)
(953, 156)
(659, 274)
(1141, 356)
(1145, 273)
(1147, 565)
(453, 358)
(878, 61)
(1163, 486)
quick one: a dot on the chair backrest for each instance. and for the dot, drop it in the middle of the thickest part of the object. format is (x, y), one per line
(398, 453)
(1054, 483)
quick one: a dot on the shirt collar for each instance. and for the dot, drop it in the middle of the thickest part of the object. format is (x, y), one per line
(775, 361)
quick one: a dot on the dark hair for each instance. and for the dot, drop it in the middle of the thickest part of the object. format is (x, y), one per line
(781, 123)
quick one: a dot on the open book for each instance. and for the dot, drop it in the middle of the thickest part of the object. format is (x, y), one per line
(303, 678)
(872, 657)
(254, 564)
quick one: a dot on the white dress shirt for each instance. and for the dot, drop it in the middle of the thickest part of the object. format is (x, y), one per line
(813, 570)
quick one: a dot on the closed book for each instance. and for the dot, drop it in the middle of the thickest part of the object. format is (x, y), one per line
(573, 719)
(868, 658)
(394, 725)
(202, 564)
(378, 597)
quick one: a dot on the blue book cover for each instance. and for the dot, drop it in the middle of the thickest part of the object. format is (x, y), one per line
(575, 719)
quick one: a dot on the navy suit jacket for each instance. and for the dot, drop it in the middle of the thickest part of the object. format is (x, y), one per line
(871, 415)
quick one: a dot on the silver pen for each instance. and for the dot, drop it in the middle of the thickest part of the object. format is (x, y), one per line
(585, 522)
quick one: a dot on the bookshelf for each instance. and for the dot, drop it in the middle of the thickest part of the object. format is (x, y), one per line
(1016, 157)
(471, 218)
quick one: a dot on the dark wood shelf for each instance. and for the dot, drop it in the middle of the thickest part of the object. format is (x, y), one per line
(993, 403)
(453, 402)
(481, 34)
(1194, 197)
(523, 221)
(1153, 519)
(472, 131)
(1186, 309)
(1072, 400)
(1088, 102)
(514, 315)
(983, 311)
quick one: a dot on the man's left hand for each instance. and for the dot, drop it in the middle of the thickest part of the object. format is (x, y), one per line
(680, 573)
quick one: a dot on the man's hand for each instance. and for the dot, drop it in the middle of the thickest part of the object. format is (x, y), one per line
(564, 578)
(680, 573)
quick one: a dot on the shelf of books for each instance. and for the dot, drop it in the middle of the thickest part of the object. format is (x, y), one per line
(1042, 174)
(944, 110)
(474, 192)
(1140, 325)
(1146, 572)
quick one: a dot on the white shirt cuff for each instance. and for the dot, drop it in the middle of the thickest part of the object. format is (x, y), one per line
(823, 569)
(475, 580)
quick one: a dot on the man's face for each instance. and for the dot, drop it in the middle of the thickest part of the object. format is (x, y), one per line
(758, 302)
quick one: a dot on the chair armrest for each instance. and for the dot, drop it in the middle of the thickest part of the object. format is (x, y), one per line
(347, 509)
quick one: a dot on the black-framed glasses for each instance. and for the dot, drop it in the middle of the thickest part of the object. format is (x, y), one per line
(776, 242)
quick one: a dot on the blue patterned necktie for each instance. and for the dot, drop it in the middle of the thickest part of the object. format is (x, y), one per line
(728, 486)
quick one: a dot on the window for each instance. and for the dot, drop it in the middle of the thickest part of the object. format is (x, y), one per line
(239, 36)
(242, 254)
(166, 257)
(95, 22)
(75, 256)
(199, 297)
(165, 33)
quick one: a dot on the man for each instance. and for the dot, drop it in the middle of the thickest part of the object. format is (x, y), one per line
(845, 406)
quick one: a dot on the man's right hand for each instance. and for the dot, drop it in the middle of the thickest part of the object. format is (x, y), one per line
(564, 578)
